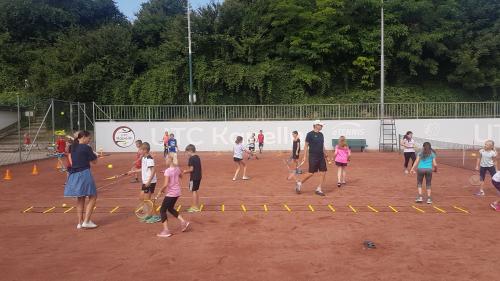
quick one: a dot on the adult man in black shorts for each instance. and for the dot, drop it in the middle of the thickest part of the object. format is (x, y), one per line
(314, 148)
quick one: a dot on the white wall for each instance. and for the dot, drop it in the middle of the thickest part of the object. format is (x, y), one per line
(219, 136)
(7, 118)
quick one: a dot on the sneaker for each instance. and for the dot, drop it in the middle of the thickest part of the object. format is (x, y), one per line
(298, 186)
(153, 219)
(480, 193)
(193, 210)
(419, 199)
(406, 172)
(164, 234)
(145, 219)
(319, 192)
(234, 179)
(429, 200)
(79, 226)
(89, 225)
(245, 178)
(184, 226)
(339, 185)
(134, 181)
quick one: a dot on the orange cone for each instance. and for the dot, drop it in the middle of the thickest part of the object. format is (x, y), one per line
(34, 172)
(7, 176)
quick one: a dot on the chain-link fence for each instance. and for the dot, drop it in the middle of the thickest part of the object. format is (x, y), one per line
(32, 129)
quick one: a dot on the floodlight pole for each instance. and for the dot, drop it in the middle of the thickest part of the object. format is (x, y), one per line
(382, 73)
(191, 96)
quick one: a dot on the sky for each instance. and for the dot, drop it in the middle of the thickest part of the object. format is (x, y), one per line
(130, 7)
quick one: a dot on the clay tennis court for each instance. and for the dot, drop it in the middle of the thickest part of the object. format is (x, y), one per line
(253, 230)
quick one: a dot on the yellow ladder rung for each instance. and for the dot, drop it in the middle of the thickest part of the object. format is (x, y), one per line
(418, 209)
(331, 208)
(393, 209)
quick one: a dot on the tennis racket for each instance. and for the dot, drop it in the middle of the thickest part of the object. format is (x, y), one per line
(117, 176)
(293, 171)
(475, 180)
(146, 208)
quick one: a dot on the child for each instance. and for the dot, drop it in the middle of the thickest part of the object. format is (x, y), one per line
(486, 162)
(295, 154)
(260, 138)
(165, 144)
(408, 145)
(194, 170)
(172, 144)
(425, 164)
(138, 162)
(495, 180)
(251, 147)
(239, 150)
(27, 141)
(342, 156)
(60, 152)
(173, 187)
(149, 180)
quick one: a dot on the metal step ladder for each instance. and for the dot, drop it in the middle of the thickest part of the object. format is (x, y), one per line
(388, 140)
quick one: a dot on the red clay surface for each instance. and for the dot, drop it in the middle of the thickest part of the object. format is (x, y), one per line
(300, 244)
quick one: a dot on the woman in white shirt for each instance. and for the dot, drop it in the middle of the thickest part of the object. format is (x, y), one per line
(408, 145)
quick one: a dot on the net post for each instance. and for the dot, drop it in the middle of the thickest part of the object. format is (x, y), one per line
(53, 121)
(463, 155)
(19, 128)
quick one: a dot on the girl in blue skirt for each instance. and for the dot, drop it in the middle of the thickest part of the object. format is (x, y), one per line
(80, 182)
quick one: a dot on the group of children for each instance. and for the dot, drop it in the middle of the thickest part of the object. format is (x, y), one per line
(424, 164)
(171, 187)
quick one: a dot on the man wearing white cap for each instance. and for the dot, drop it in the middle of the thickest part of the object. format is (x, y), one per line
(314, 148)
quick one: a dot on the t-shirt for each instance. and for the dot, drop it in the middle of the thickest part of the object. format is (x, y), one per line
(426, 163)
(496, 177)
(409, 145)
(147, 163)
(61, 145)
(316, 144)
(165, 140)
(138, 160)
(296, 147)
(238, 151)
(260, 137)
(81, 156)
(174, 185)
(487, 157)
(172, 145)
(195, 162)
(251, 142)
(342, 154)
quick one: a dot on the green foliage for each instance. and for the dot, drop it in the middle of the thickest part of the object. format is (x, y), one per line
(250, 51)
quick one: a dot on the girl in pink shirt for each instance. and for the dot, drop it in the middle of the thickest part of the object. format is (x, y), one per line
(342, 157)
(172, 186)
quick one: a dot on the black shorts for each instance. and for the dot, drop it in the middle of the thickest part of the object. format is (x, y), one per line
(261, 144)
(482, 172)
(295, 156)
(317, 165)
(340, 164)
(251, 148)
(150, 189)
(194, 185)
(237, 159)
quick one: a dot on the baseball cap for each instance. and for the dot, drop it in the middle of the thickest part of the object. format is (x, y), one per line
(318, 122)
